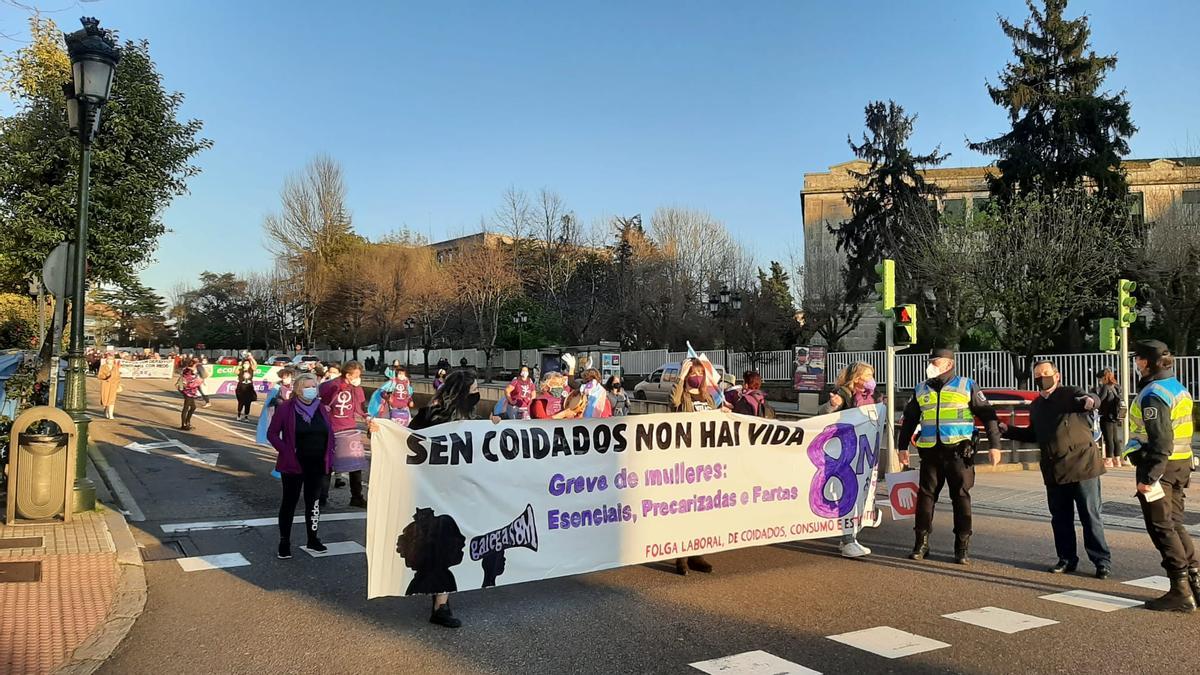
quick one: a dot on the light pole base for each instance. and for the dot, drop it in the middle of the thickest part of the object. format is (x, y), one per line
(84, 492)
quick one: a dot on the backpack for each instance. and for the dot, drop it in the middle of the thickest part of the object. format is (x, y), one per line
(753, 402)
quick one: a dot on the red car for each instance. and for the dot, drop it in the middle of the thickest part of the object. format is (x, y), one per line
(227, 361)
(1012, 408)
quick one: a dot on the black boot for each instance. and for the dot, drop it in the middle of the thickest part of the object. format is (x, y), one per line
(442, 616)
(962, 549)
(698, 563)
(1194, 582)
(315, 545)
(921, 547)
(285, 550)
(1178, 599)
(681, 567)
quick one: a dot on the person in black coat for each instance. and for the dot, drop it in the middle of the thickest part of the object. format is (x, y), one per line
(1112, 411)
(1060, 423)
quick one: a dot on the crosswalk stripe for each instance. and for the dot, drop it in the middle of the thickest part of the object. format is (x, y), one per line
(173, 528)
(756, 662)
(336, 548)
(888, 642)
(1001, 620)
(212, 562)
(1089, 600)
(1156, 583)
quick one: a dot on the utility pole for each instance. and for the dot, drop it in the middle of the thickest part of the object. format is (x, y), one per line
(1126, 315)
(886, 287)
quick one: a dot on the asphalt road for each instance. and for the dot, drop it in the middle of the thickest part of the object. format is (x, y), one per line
(310, 614)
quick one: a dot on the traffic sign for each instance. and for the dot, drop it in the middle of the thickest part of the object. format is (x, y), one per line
(56, 270)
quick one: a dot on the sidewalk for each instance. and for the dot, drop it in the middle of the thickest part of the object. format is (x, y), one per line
(87, 588)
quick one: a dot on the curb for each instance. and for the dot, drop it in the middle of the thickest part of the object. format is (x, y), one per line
(129, 601)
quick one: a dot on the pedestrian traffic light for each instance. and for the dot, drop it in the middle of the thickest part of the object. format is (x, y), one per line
(1108, 334)
(886, 288)
(1126, 303)
(905, 332)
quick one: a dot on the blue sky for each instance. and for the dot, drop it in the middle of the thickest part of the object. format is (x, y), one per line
(434, 109)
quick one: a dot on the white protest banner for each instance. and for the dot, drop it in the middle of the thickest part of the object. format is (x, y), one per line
(902, 488)
(162, 369)
(471, 504)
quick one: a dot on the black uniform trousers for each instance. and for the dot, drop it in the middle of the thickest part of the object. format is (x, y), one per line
(1164, 519)
(941, 465)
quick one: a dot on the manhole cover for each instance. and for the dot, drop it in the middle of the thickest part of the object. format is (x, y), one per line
(22, 542)
(167, 550)
(24, 571)
(1135, 511)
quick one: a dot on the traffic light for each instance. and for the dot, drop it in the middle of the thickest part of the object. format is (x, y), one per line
(1108, 334)
(886, 288)
(1126, 303)
(906, 325)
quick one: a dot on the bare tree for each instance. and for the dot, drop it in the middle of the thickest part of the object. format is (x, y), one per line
(485, 279)
(1169, 268)
(1044, 260)
(310, 231)
(941, 257)
(829, 311)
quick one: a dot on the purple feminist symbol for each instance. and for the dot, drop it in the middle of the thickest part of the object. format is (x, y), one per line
(840, 467)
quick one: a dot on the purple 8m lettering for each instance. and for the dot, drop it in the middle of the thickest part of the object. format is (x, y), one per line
(840, 467)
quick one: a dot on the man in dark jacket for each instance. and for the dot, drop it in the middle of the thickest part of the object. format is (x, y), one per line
(1059, 423)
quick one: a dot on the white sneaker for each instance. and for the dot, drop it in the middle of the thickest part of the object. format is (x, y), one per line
(854, 550)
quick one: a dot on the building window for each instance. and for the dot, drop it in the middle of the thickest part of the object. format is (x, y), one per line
(1136, 208)
(1191, 197)
(954, 207)
(981, 204)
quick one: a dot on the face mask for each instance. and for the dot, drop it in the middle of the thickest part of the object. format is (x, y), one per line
(287, 382)
(556, 392)
(694, 381)
(869, 385)
(932, 371)
(524, 375)
(1045, 382)
(308, 393)
(616, 386)
(356, 381)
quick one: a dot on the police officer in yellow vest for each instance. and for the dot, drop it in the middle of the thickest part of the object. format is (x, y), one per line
(1160, 446)
(945, 406)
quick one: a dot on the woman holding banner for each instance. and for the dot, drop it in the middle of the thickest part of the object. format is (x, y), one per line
(301, 432)
(855, 388)
(691, 394)
(458, 399)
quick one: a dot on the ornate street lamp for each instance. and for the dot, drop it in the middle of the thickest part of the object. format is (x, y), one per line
(519, 320)
(409, 324)
(94, 56)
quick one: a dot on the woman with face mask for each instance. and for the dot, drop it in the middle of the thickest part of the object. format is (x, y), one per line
(347, 404)
(301, 431)
(1112, 411)
(109, 375)
(245, 391)
(519, 395)
(691, 395)
(396, 396)
(439, 379)
(855, 388)
(281, 392)
(618, 398)
(188, 384)
(594, 394)
(550, 402)
(458, 399)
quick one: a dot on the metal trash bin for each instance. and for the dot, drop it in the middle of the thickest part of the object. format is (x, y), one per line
(41, 467)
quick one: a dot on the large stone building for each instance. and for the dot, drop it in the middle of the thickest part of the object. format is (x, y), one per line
(1158, 187)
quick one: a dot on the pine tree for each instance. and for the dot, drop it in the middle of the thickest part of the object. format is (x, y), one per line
(1064, 129)
(886, 191)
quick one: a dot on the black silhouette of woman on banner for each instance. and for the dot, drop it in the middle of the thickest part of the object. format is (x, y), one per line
(430, 546)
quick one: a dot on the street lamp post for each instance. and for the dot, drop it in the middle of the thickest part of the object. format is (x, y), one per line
(719, 305)
(409, 324)
(519, 320)
(94, 56)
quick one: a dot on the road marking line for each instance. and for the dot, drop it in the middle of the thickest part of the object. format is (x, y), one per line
(1156, 583)
(336, 548)
(888, 642)
(756, 662)
(1089, 600)
(160, 404)
(174, 528)
(212, 562)
(1002, 620)
(115, 484)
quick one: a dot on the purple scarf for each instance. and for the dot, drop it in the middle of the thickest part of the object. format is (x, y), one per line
(307, 410)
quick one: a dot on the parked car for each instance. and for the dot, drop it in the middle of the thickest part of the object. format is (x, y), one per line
(658, 386)
(279, 360)
(305, 361)
(227, 361)
(1012, 408)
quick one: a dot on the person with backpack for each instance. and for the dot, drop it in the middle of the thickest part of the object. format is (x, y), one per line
(750, 399)
(855, 388)
(1111, 412)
